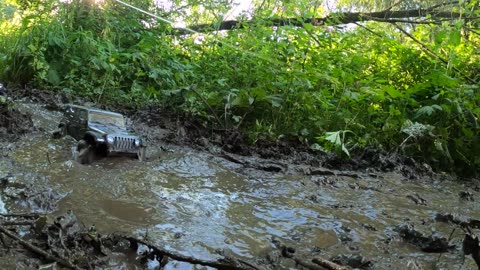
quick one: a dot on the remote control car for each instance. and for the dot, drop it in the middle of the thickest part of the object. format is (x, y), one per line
(98, 132)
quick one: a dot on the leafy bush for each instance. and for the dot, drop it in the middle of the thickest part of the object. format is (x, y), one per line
(341, 89)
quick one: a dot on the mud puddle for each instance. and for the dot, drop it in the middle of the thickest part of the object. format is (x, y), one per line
(196, 203)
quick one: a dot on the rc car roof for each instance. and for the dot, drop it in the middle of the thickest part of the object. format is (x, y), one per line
(92, 109)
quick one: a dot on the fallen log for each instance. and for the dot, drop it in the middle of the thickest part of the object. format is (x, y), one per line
(62, 261)
(222, 264)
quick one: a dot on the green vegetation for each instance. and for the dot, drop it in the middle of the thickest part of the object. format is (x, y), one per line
(398, 86)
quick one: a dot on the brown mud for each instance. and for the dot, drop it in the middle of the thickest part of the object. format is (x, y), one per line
(207, 197)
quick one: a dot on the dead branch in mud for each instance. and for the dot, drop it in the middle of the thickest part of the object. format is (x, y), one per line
(17, 223)
(314, 264)
(223, 264)
(307, 265)
(328, 264)
(62, 261)
(267, 166)
(458, 220)
(24, 215)
(328, 172)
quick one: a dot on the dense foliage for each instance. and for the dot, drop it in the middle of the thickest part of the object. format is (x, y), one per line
(408, 87)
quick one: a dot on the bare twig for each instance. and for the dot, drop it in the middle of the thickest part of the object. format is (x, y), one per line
(62, 261)
(369, 30)
(424, 47)
(444, 4)
(48, 159)
(437, 21)
(334, 18)
(308, 265)
(328, 264)
(208, 105)
(23, 215)
(17, 223)
(314, 264)
(224, 264)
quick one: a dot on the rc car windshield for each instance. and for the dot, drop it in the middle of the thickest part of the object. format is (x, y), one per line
(106, 119)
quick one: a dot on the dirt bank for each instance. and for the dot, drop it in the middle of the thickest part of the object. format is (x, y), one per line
(12, 122)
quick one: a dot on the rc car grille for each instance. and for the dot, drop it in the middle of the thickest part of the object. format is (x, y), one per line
(120, 143)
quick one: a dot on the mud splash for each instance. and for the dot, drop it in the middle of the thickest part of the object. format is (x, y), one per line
(197, 203)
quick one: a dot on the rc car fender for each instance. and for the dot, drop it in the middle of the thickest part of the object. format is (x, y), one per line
(92, 137)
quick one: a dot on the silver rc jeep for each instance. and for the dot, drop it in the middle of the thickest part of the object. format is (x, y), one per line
(98, 132)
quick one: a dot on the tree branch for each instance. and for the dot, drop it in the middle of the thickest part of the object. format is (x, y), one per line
(223, 264)
(425, 48)
(62, 261)
(335, 19)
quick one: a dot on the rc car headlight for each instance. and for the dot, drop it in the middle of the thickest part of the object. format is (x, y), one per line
(110, 139)
(137, 142)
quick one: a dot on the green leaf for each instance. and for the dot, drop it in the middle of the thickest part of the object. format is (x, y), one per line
(440, 37)
(394, 93)
(52, 77)
(308, 26)
(428, 110)
(455, 38)
(334, 137)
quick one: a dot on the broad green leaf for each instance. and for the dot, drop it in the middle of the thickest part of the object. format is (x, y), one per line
(394, 93)
(333, 137)
(428, 110)
(440, 37)
(455, 38)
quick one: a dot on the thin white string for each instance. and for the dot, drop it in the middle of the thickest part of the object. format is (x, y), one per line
(195, 32)
(155, 16)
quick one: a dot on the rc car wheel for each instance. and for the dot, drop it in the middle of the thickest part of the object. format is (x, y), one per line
(82, 144)
(60, 132)
(86, 152)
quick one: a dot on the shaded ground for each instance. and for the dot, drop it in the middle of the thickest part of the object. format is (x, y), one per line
(279, 206)
(12, 122)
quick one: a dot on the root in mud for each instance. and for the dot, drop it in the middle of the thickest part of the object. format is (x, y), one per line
(340, 262)
(430, 244)
(65, 242)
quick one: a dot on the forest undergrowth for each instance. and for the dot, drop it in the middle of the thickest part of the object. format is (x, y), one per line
(408, 88)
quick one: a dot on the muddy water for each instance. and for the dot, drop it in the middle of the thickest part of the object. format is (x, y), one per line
(196, 204)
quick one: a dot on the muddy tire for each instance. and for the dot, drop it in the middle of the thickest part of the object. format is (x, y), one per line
(86, 152)
(60, 132)
(82, 144)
